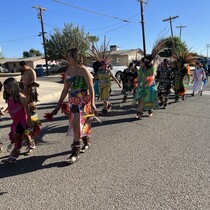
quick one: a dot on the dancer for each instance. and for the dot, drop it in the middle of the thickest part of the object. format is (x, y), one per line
(182, 58)
(127, 78)
(164, 83)
(96, 66)
(104, 76)
(19, 111)
(146, 92)
(198, 78)
(78, 84)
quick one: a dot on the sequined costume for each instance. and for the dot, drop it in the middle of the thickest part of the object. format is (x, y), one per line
(164, 84)
(146, 88)
(79, 102)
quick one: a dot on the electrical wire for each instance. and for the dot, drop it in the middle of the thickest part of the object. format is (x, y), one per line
(94, 12)
(12, 40)
(112, 29)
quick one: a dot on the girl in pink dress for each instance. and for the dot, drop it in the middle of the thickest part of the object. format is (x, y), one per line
(20, 114)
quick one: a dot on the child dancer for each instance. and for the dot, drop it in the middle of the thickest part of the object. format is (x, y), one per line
(127, 78)
(19, 111)
(104, 76)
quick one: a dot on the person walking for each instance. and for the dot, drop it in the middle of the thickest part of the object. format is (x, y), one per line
(104, 75)
(164, 83)
(127, 78)
(146, 92)
(198, 78)
(20, 114)
(78, 85)
(28, 83)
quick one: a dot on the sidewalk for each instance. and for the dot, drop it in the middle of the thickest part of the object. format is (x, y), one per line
(48, 90)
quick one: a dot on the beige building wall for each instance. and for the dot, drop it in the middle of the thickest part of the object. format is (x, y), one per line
(119, 60)
(124, 60)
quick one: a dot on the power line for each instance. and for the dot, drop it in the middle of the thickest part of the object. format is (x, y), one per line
(94, 12)
(113, 29)
(12, 40)
(110, 25)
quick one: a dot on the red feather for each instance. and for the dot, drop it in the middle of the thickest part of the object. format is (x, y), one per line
(150, 80)
(65, 109)
(48, 116)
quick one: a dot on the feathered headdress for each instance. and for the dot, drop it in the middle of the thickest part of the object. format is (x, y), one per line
(158, 46)
(185, 57)
(101, 53)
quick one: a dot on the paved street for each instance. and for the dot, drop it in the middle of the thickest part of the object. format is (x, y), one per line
(158, 163)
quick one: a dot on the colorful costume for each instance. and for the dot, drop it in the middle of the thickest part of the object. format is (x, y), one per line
(79, 101)
(178, 83)
(128, 80)
(20, 119)
(164, 85)
(146, 88)
(104, 83)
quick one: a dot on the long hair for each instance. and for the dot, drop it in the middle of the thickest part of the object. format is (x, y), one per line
(14, 85)
(74, 53)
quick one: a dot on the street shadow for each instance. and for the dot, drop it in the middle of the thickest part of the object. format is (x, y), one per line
(114, 121)
(30, 164)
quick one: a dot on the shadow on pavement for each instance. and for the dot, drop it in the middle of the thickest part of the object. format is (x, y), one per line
(30, 164)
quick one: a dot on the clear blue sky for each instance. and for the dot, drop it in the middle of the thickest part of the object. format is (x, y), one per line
(20, 25)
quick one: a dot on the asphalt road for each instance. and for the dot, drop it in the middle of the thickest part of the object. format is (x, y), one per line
(157, 163)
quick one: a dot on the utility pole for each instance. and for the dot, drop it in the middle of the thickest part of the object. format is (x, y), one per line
(180, 28)
(172, 36)
(142, 25)
(41, 9)
(207, 48)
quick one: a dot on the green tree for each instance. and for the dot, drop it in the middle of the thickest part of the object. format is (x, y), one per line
(70, 36)
(27, 54)
(180, 46)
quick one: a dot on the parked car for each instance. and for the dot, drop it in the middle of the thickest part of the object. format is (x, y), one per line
(4, 70)
(61, 69)
(117, 71)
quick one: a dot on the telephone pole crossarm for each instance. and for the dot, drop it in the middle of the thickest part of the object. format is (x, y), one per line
(180, 28)
(170, 20)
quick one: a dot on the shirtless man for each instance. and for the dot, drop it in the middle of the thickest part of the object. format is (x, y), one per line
(27, 81)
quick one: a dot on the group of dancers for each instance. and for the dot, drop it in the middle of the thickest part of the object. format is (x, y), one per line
(148, 87)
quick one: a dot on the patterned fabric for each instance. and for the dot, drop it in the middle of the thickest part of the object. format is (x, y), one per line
(18, 115)
(146, 88)
(79, 98)
(178, 81)
(164, 82)
(104, 77)
(128, 80)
